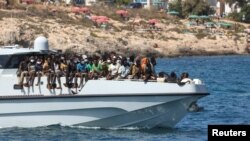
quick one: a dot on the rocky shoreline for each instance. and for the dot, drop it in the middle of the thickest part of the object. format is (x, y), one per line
(79, 35)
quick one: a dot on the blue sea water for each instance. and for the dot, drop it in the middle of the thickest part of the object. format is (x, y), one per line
(227, 78)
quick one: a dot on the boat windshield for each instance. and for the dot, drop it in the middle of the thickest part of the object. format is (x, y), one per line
(3, 60)
(12, 61)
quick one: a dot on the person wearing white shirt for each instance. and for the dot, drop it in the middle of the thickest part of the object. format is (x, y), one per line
(113, 70)
(124, 69)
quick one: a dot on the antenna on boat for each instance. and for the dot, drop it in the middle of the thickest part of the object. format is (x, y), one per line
(41, 44)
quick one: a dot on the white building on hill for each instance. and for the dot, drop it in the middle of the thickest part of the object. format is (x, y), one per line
(90, 2)
(223, 8)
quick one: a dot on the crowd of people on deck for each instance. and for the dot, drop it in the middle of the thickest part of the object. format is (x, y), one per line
(74, 67)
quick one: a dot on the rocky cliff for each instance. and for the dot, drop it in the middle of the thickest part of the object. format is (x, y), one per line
(75, 32)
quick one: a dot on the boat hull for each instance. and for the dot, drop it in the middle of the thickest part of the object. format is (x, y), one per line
(143, 111)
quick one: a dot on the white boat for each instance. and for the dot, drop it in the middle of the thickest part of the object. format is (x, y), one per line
(100, 103)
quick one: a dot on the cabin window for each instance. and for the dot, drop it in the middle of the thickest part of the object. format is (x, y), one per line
(3, 60)
(14, 61)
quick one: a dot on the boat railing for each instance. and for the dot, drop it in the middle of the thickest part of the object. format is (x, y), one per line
(137, 80)
(194, 81)
(10, 47)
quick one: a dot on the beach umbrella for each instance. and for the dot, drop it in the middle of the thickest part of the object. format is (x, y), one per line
(173, 13)
(121, 12)
(209, 24)
(228, 24)
(75, 9)
(103, 17)
(204, 17)
(224, 24)
(193, 17)
(153, 21)
(84, 9)
(101, 20)
(94, 18)
(27, 1)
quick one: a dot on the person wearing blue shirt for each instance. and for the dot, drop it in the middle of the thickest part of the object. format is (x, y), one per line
(81, 72)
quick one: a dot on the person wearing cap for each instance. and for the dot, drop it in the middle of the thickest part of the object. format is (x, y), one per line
(84, 57)
(114, 57)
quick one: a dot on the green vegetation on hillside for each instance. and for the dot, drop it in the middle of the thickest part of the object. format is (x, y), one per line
(188, 7)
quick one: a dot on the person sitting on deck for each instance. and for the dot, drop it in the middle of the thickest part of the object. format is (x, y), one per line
(32, 71)
(23, 71)
(53, 71)
(39, 70)
(136, 70)
(70, 73)
(96, 69)
(185, 78)
(81, 71)
(105, 67)
(123, 71)
(148, 72)
(63, 65)
(58, 73)
(113, 70)
(89, 67)
(131, 63)
(172, 78)
(48, 69)
(153, 64)
(162, 77)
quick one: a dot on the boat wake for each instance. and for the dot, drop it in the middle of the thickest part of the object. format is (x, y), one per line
(100, 128)
(243, 94)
